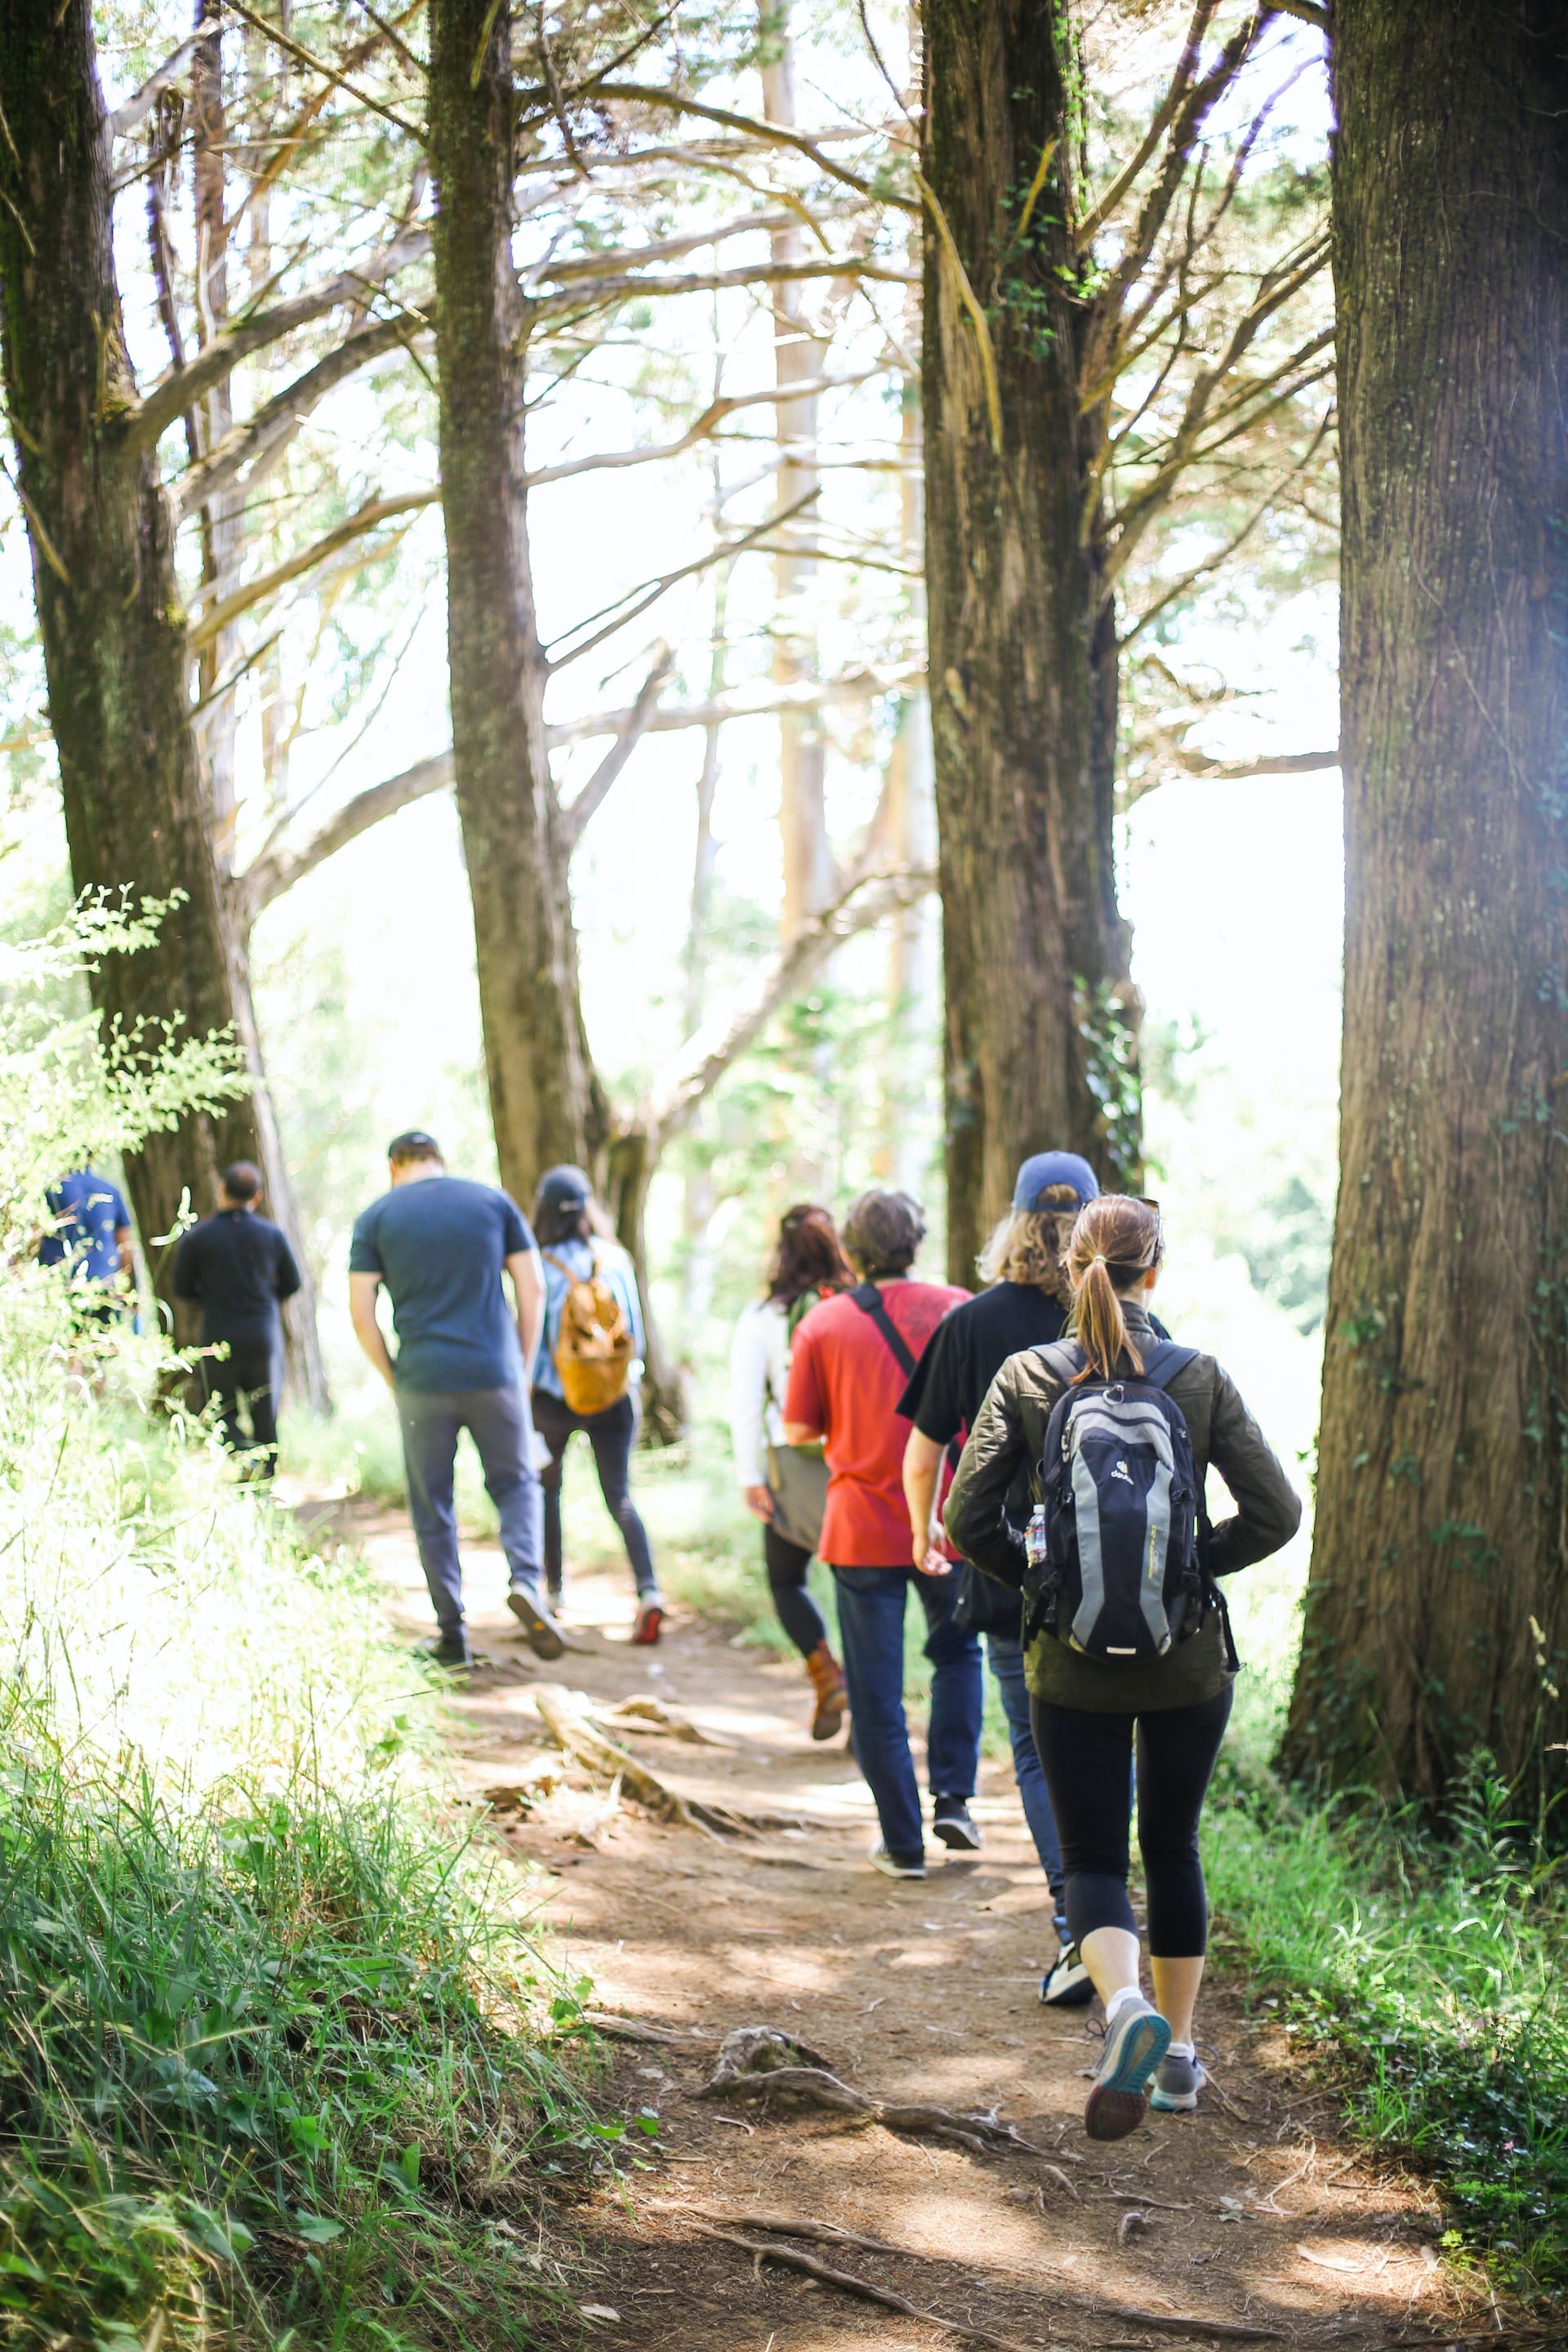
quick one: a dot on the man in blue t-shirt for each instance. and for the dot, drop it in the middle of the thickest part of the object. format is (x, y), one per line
(440, 1245)
(90, 1234)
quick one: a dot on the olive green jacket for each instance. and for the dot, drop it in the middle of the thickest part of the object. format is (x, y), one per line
(1010, 1433)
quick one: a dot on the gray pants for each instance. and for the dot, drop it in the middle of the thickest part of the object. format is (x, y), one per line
(498, 1421)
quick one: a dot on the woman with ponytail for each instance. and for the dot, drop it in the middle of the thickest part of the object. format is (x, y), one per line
(1087, 1710)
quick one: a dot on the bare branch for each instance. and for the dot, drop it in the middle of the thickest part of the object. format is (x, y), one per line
(278, 871)
(1094, 220)
(226, 610)
(1309, 11)
(772, 396)
(704, 1060)
(766, 700)
(638, 600)
(145, 420)
(1278, 764)
(598, 294)
(304, 57)
(664, 248)
(129, 117)
(628, 735)
(261, 436)
(772, 134)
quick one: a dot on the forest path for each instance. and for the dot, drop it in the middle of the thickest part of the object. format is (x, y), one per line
(1259, 2213)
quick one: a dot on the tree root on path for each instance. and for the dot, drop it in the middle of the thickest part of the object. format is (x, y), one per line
(633, 2029)
(567, 1716)
(761, 2252)
(759, 2063)
(786, 2225)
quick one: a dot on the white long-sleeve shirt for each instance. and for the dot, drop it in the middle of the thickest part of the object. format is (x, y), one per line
(759, 1374)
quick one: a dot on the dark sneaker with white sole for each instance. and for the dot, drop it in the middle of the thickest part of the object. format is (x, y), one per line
(544, 1635)
(896, 1865)
(451, 1650)
(1067, 1983)
(1119, 2095)
(1177, 2081)
(951, 1821)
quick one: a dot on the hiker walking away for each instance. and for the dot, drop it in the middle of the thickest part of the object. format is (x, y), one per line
(1026, 1304)
(588, 1368)
(90, 1235)
(440, 1246)
(238, 1267)
(852, 1358)
(785, 1486)
(1127, 1632)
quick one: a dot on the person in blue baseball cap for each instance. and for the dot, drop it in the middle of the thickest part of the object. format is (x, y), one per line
(1025, 1304)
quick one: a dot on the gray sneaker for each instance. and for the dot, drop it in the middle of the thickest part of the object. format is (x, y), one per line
(1119, 2095)
(1177, 2081)
(544, 1637)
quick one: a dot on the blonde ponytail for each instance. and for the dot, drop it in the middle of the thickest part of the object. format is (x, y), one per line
(1115, 1243)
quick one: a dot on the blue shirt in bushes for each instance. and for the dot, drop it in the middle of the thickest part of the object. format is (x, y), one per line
(440, 1244)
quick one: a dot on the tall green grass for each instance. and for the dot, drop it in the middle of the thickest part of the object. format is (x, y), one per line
(1430, 1978)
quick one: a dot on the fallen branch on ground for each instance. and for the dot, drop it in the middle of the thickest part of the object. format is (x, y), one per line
(787, 2225)
(760, 2064)
(632, 2029)
(1228, 2330)
(651, 1718)
(847, 2284)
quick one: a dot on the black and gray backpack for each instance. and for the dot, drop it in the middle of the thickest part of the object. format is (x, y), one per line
(1114, 1569)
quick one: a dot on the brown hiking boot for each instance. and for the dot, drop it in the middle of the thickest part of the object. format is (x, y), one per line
(832, 1699)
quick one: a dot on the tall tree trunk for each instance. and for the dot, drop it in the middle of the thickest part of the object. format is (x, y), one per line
(545, 1101)
(1437, 1608)
(797, 359)
(107, 601)
(1039, 1046)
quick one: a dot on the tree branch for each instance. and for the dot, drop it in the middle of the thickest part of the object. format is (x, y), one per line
(130, 116)
(1279, 763)
(226, 610)
(1094, 220)
(638, 600)
(771, 134)
(703, 1061)
(766, 702)
(145, 420)
(1309, 11)
(304, 57)
(771, 396)
(279, 418)
(278, 871)
(631, 731)
(598, 294)
(665, 248)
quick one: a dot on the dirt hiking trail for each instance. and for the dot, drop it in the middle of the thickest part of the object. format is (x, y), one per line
(1254, 2219)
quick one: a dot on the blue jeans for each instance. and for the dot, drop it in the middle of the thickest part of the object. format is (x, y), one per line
(1007, 1665)
(871, 1627)
(498, 1421)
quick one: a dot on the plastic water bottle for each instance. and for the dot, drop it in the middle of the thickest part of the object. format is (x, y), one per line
(1034, 1537)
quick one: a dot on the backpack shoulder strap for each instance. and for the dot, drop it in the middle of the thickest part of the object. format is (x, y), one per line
(560, 1266)
(1063, 1358)
(1161, 1364)
(869, 1300)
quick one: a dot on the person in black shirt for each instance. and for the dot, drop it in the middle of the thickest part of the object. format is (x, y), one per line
(1024, 1306)
(238, 1267)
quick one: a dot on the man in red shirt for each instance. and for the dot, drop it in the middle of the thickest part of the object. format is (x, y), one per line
(851, 1360)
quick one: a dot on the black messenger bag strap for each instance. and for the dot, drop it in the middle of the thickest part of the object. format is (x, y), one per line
(869, 1299)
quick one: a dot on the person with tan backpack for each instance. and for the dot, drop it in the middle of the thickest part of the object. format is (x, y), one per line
(587, 1371)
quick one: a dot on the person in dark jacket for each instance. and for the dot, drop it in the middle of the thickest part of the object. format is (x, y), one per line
(1087, 1710)
(238, 1268)
(1027, 1304)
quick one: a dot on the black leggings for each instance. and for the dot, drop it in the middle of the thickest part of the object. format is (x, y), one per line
(1086, 1758)
(798, 1613)
(611, 1435)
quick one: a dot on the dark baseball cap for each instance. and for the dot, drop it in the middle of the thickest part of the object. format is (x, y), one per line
(1045, 1168)
(414, 1144)
(564, 1187)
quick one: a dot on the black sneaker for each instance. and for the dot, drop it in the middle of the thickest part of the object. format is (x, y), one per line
(896, 1865)
(451, 1650)
(1067, 1983)
(950, 1821)
(544, 1637)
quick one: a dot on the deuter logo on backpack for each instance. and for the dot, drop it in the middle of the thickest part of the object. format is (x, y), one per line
(1112, 1547)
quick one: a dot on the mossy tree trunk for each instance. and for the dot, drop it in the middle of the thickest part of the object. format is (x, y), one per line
(1039, 1036)
(108, 608)
(1437, 1616)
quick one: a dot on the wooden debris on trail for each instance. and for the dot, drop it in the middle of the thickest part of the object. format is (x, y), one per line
(763, 2251)
(633, 2029)
(759, 2063)
(568, 1716)
(651, 1717)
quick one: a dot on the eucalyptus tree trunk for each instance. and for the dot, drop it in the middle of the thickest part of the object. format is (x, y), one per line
(107, 601)
(544, 1098)
(1437, 1616)
(1040, 1038)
